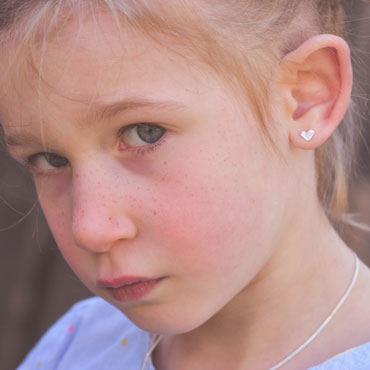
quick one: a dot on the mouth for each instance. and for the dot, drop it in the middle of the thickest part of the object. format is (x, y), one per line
(128, 289)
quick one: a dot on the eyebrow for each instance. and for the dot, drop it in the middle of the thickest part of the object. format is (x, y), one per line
(20, 139)
(100, 113)
(105, 111)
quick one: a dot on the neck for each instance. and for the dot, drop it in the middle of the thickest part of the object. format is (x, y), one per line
(276, 312)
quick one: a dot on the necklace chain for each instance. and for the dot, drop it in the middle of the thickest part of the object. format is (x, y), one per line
(327, 320)
(154, 342)
(156, 339)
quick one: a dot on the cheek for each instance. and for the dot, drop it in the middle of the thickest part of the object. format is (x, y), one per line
(209, 224)
(214, 208)
(58, 216)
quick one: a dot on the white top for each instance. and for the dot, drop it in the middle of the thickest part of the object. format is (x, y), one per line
(94, 335)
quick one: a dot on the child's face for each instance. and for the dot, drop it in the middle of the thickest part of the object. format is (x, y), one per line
(201, 207)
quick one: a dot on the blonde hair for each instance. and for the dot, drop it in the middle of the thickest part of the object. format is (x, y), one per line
(222, 34)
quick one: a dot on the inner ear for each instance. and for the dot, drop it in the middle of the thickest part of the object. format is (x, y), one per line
(318, 83)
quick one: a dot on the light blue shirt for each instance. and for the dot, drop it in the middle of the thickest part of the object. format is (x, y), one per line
(94, 335)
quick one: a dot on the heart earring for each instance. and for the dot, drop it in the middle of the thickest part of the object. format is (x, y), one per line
(308, 135)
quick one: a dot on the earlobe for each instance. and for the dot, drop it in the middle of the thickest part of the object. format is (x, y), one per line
(316, 83)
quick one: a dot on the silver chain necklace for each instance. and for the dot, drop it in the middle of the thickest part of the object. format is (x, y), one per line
(156, 339)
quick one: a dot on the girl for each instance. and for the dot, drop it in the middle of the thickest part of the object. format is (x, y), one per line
(188, 161)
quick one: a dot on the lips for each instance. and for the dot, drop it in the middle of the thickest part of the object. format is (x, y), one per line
(126, 289)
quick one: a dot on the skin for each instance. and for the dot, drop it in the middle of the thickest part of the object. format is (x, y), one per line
(236, 230)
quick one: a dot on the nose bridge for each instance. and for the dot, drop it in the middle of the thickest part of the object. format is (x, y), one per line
(99, 212)
(91, 183)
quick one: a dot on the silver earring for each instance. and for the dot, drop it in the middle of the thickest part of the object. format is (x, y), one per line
(308, 135)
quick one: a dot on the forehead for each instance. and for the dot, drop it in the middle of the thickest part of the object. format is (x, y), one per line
(89, 60)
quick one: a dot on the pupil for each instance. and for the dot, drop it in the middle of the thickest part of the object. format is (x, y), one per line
(55, 160)
(150, 133)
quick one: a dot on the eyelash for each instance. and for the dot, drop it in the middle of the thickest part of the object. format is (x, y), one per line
(140, 150)
(148, 148)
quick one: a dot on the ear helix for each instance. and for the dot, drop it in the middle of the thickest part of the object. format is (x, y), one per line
(308, 135)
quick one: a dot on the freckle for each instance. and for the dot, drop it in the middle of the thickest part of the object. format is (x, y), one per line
(165, 163)
(124, 342)
(39, 364)
(110, 218)
(155, 213)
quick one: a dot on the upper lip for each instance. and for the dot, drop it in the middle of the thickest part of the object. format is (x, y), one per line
(120, 281)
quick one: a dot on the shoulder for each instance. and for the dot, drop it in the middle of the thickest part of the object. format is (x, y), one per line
(355, 358)
(91, 335)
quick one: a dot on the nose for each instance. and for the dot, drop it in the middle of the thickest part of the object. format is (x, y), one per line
(100, 216)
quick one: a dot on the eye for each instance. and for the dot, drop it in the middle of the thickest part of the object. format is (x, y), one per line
(141, 134)
(47, 161)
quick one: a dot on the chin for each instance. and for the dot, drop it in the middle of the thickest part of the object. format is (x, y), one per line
(161, 321)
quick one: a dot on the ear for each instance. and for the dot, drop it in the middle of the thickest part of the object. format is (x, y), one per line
(315, 85)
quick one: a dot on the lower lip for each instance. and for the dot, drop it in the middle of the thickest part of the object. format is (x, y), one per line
(133, 292)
